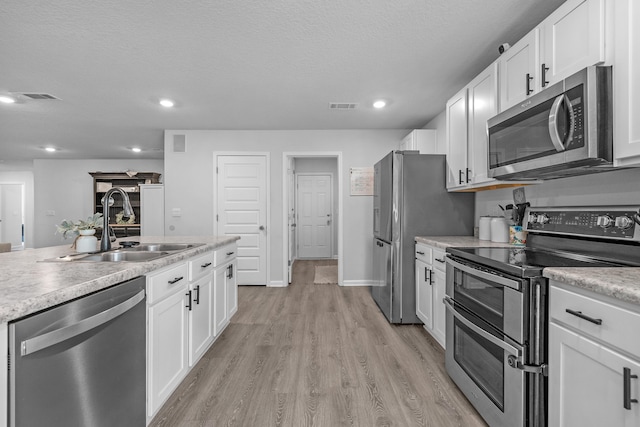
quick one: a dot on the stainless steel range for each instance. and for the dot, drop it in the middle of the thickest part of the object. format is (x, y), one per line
(496, 301)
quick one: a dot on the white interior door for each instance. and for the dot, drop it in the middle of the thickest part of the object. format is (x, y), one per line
(242, 211)
(314, 222)
(11, 214)
(291, 217)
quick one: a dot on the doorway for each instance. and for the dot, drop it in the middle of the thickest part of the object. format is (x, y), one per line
(12, 215)
(312, 217)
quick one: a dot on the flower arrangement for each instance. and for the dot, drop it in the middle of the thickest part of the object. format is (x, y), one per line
(71, 229)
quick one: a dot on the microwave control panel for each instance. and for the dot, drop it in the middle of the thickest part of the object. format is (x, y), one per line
(614, 223)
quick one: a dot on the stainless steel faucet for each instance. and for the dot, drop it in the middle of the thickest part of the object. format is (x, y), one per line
(105, 241)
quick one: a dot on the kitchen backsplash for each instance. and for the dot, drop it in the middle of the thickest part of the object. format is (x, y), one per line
(610, 188)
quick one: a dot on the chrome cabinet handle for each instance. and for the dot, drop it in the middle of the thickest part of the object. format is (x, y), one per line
(626, 392)
(43, 341)
(176, 280)
(448, 302)
(584, 316)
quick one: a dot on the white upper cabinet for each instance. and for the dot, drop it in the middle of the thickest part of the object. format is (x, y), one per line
(483, 104)
(456, 111)
(626, 83)
(422, 140)
(518, 67)
(570, 39)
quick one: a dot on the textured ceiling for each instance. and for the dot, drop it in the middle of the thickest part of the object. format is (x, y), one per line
(236, 64)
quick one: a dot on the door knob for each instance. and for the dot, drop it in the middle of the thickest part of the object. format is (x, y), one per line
(261, 228)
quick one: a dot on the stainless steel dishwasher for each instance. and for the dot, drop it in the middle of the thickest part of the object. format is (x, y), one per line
(81, 363)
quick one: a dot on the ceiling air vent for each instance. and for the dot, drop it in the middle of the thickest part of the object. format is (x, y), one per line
(39, 96)
(342, 106)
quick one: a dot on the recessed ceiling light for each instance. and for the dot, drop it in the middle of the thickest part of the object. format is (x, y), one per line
(136, 149)
(7, 99)
(166, 103)
(50, 149)
(379, 104)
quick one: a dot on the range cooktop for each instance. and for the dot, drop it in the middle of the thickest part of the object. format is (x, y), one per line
(566, 237)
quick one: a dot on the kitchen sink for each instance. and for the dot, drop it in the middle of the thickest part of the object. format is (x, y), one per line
(161, 247)
(140, 253)
(118, 256)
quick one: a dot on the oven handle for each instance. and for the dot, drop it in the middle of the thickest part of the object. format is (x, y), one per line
(448, 302)
(484, 275)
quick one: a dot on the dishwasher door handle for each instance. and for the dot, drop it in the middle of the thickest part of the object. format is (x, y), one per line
(32, 345)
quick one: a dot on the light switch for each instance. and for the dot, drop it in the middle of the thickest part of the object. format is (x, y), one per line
(176, 212)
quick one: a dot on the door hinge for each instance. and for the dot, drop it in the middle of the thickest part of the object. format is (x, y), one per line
(217, 220)
(216, 169)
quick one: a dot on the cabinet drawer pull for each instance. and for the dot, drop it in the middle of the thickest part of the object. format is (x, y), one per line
(230, 253)
(459, 176)
(205, 265)
(440, 259)
(420, 253)
(468, 172)
(626, 392)
(176, 280)
(583, 316)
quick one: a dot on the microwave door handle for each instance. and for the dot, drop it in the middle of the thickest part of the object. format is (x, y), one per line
(558, 143)
(448, 302)
(484, 275)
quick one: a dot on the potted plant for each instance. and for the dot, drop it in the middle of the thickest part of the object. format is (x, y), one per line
(83, 230)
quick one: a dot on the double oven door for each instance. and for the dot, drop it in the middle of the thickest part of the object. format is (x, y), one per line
(489, 344)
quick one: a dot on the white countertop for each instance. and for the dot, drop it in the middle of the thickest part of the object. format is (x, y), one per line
(28, 285)
(621, 283)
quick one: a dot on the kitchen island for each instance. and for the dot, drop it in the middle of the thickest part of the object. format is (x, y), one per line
(30, 284)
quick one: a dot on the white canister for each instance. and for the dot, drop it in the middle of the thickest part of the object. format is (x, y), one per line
(86, 241)
(499, 230)
(484, 228)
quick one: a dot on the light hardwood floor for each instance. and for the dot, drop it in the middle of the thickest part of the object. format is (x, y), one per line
(317, 355)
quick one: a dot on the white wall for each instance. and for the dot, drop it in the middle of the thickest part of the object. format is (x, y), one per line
(324, 165)
(22, 173)
(65, 188)
(439, 123)
(609, 188)
(189, 184)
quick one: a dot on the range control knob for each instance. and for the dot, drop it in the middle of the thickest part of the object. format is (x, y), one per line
(624, 222)
(605, 221)
(543, 219)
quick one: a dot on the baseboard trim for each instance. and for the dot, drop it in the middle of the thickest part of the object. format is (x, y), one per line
(357, 283)
(277, 284)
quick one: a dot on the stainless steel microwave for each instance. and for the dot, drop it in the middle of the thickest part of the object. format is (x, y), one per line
(565, 130)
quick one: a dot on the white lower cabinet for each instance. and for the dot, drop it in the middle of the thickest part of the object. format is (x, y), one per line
(167, 344)
(200, 317)
(430, 288)
(594, 362)
(188, 306)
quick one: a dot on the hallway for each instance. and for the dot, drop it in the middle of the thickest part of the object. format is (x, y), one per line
(317, 355)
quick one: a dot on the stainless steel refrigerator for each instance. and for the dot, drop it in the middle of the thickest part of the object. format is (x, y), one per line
(410, 199)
